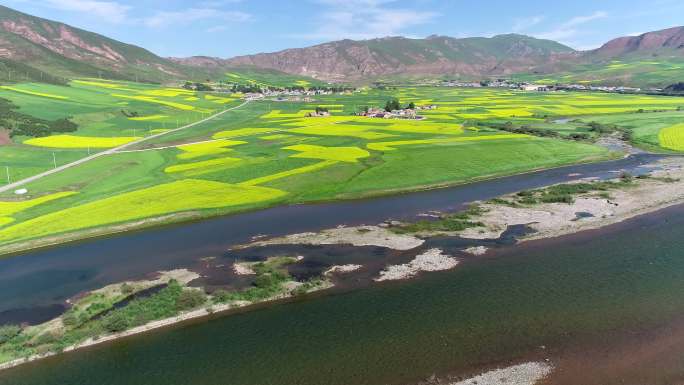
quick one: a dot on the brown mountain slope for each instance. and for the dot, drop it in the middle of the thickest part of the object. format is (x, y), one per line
(435, 55)
(671, 39)
(59, 49)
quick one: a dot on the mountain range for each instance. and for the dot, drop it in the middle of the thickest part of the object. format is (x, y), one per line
(37, 49)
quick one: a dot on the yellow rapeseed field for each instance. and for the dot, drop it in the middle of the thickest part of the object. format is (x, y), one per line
(203, 167)
(672, 137)
(13, 207)
(169, 92)
(111, 86)
(148, 118)
(34, 93)
(71, 141)
(242, 132)
(149, 99)
(354, 131)
(218, 99)
(284, 174)
(341, 154)
(182, 195)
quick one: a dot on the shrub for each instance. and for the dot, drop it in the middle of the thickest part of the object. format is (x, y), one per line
(7, 332)
(190, 298)
(116, 322)
(222, 296)
(45, 339)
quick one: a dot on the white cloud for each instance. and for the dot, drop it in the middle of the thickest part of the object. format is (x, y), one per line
(108, 11)
(569, 29)
(191, 15)
(364, 19)
(585, 19)
(526, 23)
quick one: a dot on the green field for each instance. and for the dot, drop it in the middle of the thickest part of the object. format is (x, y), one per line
(630, 71)
(108, 114)
(267, 78)
(267, 152)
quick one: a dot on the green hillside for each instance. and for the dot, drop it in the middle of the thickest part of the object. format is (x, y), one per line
(269, 78)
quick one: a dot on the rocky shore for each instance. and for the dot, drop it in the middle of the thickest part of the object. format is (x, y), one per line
(529, 373)
(356, 236)
(431, 260)
(663, 188)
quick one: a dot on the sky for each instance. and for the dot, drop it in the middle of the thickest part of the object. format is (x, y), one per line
(227, 28)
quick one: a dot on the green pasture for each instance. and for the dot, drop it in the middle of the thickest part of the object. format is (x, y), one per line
(660, 71)
(265, 78)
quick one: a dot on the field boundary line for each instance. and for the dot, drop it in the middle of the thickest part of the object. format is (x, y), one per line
(111, 151)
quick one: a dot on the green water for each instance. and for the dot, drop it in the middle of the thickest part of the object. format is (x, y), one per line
(549, 293)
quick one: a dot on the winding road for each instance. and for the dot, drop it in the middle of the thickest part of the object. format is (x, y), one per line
(111, 151)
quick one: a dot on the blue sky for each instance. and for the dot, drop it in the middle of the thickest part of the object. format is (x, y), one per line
(228, 28)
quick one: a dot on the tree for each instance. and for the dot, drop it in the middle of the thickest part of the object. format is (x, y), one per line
(392, 105)
(411, 106)
(116, 322)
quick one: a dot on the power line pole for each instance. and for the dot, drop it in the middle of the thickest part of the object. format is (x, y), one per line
(54, 159)
(8, 175)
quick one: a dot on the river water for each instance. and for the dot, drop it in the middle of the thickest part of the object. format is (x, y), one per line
(541, 299)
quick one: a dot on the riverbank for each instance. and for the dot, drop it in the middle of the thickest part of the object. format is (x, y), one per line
(596, 205)
(548, 212)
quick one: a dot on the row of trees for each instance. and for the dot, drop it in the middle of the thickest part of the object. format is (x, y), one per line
(394, 104)
(21, 124)
(197, 86)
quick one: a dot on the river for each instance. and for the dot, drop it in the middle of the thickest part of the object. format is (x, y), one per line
(544, 299)
(35, 284)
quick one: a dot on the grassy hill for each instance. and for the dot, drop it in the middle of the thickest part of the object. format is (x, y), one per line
(629, 71)
(269, 78)
(59, 50)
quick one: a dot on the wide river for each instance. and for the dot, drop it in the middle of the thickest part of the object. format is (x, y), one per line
(597, 292)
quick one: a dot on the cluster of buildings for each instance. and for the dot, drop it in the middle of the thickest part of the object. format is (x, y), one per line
(504, 83)
(581, 87)
(317, 114)
(405, 113)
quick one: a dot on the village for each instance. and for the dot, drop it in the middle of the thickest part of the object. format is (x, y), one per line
(524, 86)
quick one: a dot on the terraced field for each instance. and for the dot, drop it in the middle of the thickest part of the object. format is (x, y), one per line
(269, 153)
